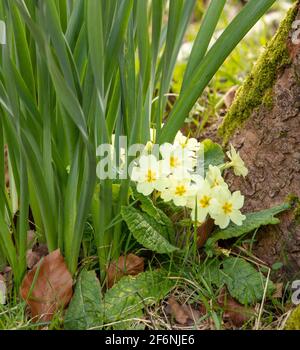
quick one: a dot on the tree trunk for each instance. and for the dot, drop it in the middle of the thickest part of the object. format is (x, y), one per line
(264, 125)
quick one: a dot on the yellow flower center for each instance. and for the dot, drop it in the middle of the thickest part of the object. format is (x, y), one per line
(215, 183)
(227, 207)
(204, 201)
(151, 176)
(173, 161)
(180, 190)
(183, 144)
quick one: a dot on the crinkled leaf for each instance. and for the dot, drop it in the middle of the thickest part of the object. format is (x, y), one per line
(147, 231)
(253, 221)
(212, 272)
(127, 298)
(148, 207)
(85, 310)
(244, 282)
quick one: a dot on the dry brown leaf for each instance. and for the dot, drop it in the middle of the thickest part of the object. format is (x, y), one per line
(7, 275)
(234, 312)
(127, 265)
(34, 255)
(32, 258)
(52, 289)
(204, 231)
(179, 312)
(279, 290)
(193, 314)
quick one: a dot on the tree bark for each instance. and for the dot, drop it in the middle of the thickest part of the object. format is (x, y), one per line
(264, 125)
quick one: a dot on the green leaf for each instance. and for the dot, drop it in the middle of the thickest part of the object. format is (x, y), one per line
(127, 298)
(212, 155)
(213, 60)
(85, 310)
(148, 207)
(253, 221)
(244, 282)
(147, 231)
(203, 38)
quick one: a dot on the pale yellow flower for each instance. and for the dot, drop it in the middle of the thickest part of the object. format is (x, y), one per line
(226, 207)
(178, 190)
(236, 163)
(184, 142)
(176, 158)
(214, 177)
(201, 201)
(149, 175)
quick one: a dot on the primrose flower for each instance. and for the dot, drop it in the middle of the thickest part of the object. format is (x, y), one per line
(178, 190)
(201, 202)
(226, 207)
(184, 142)
(149, 175)
(214, 177)
(236, 163)
(176, 158)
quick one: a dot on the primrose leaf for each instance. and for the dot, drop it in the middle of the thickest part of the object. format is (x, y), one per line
(85, 310)
(244, 282)
(128, 297)
(253, 221)
(148, 207)
(147, 231)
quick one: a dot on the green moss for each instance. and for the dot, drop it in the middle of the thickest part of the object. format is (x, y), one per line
(258, 87)
(293, 322)
(268, 99)
(294, 201)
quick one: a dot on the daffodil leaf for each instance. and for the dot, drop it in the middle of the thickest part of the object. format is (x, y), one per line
(253, 221)
(85, 310)
(147, 231)
(244, 282)
(212, 155)
(127, 298)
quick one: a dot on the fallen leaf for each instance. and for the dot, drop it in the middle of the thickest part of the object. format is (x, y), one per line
(7, 275)
(234, 312)
(127, 265)
(34, 255)
(180, 314)
(204, 231)
(30, 238)
(193, 314)
(3, 290)
(279, 290)
(32, 258)
(47, 287)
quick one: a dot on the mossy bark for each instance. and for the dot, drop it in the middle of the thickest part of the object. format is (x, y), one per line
(264, 124)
